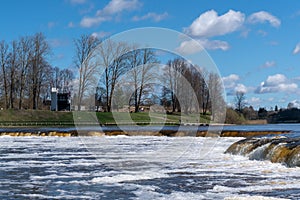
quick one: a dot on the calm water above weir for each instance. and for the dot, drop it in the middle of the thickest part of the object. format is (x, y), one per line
(139, 167)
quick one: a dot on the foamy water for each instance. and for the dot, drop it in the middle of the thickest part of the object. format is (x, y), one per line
(137, 168)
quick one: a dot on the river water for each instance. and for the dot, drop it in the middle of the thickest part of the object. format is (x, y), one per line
(122, 167)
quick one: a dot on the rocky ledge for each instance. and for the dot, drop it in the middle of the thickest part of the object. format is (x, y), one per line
(277, 149)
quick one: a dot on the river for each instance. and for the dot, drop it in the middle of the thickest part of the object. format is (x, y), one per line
(140, 167)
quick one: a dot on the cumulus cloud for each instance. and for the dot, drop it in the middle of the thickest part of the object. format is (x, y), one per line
(230, 81)
(276, 83)
(117, 6)
(262, 17)
(232, 85)
(194, 46)
(189, 47)
(296, 49)
(108, 13)
(214, 44)
(240, 88)
(209, 24)
(275, 80)
(152, 16)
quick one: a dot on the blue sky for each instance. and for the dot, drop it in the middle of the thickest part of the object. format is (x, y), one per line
(255, 44)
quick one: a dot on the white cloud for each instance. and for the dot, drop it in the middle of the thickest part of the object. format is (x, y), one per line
(276, 83)
(151, 15)
(88, 22)
(189, 47)
(232, 85)
(194, 46)
(230, 81)
(214, 44)
(254, 100)
(268, 64)
(117, 6)
(110, 11)
(209, 24)
(296, 49)
(240, 88)
(101, 34)
(275, 80)
(294, 104)
(262, 17)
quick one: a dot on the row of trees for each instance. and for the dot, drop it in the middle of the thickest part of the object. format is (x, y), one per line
(126, 75)
(119, 73)
(185, 82)
(26, 75)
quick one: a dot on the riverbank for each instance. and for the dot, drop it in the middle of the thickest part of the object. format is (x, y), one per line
(44, 118)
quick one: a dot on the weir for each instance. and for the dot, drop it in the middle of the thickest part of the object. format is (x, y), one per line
(170, 131)
(276, 149)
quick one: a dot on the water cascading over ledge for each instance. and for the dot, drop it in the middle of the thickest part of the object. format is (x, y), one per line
(278, 150)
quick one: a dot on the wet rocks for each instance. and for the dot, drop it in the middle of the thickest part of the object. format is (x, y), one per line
(277, 149)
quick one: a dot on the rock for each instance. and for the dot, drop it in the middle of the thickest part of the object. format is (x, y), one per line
(278, 150)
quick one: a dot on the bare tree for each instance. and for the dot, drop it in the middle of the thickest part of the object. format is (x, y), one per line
(141, 62)
(25, 52)
(111, 57)
(84, 47)
(41, 50)
(216, 102)
(4, 56)
(240, 101)
(173, 71)
(12, 70)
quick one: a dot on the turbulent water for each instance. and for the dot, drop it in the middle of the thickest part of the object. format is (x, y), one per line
(137, 168)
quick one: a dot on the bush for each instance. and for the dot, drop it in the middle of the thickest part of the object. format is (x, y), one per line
(233, 117)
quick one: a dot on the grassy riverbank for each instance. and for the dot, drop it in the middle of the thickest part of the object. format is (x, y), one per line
(48, 118)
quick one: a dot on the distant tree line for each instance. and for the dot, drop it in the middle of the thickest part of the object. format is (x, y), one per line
(26, 75)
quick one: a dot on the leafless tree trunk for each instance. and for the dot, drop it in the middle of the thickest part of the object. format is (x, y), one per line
(141, 62)
(85, 46)
(25, 57)
(4, 55)
(111, 58)
(41, 50)
(174, 71)
(13, 65)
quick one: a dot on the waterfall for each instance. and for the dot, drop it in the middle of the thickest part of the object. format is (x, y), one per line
(277, 149)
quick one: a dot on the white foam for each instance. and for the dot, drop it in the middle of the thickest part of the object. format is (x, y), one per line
(127, 177)
(252, 198)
